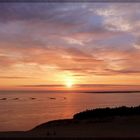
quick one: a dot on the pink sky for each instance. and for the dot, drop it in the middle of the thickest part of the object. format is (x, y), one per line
(61, 44)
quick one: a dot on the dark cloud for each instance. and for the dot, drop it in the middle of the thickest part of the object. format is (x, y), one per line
(26, 11)
(43, 85)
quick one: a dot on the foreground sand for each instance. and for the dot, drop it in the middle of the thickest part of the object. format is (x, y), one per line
(117, 127)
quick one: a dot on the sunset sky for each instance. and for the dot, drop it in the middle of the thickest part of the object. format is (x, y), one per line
(69, 44)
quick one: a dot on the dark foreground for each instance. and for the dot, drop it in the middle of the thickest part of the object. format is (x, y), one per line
(99, 124)
(70, 138)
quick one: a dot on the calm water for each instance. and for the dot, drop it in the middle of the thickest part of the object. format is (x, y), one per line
(20, 112)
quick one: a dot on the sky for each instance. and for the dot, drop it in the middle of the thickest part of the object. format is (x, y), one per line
(69, 44)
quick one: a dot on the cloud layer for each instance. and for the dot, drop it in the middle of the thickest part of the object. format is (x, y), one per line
(83, 39)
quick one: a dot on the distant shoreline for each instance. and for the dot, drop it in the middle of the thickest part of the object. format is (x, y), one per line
(69, 91)
(112, 92)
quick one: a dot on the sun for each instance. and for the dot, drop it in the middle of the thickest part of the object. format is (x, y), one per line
(68, 80)
(69, 83)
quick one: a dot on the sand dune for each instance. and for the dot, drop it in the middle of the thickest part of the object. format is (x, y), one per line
(116, 127)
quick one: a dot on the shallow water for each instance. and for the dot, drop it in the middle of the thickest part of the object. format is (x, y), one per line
(23, 111)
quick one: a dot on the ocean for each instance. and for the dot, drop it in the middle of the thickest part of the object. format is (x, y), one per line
(25, 110)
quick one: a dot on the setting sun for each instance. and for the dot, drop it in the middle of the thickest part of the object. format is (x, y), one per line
(69, 83)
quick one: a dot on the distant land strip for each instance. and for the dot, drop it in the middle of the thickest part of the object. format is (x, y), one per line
(69, 91)
(137, 91)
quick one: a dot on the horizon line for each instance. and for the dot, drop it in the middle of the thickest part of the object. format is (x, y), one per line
(79, 85)
(72, 91)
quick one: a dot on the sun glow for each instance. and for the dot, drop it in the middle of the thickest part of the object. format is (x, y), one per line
(69, 83)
